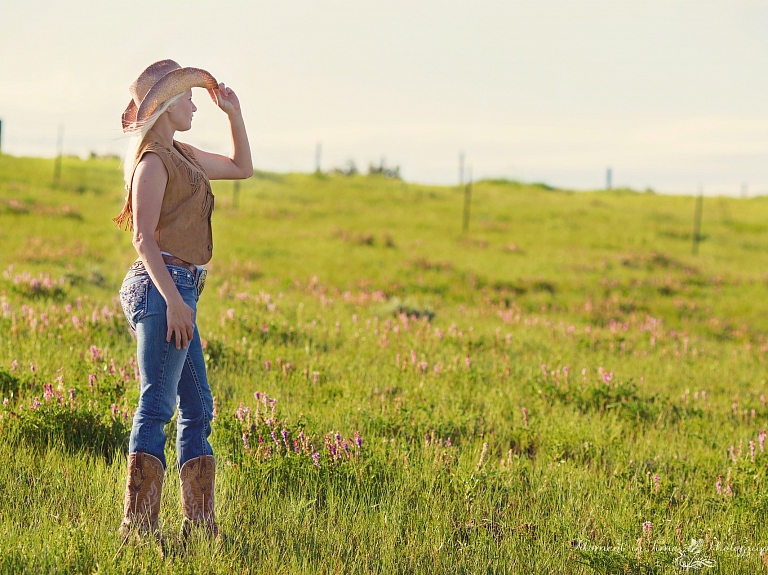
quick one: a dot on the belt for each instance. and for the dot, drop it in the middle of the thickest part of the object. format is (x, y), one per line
(174, 261)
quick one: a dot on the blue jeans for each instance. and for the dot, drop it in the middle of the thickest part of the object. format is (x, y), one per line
(169, 376)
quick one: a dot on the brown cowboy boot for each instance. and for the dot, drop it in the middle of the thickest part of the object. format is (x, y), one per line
(197, 478)
(142, 495)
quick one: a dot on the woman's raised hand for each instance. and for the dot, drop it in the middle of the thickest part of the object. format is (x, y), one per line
(225, 98)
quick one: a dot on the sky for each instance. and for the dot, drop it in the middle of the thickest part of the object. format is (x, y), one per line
(670, 94)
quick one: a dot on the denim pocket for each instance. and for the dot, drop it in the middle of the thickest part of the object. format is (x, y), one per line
(133, 298)
(183, 278)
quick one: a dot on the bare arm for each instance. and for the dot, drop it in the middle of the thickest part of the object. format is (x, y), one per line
(239, 165)
(148, 189)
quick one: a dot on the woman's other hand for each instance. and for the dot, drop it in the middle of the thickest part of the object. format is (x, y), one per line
(180, 319)
(226, 99)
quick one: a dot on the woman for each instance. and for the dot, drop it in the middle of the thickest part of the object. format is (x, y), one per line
(169, 207)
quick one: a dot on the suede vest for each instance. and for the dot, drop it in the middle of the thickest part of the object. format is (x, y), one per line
(184, 227)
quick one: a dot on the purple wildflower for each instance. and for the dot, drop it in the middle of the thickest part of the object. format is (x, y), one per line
(95, 353)
(91, 381)
(14, 365)
(657, 483)
(274, 438)
(648, 530)
(36, 403)
(761, 440)
(114, 409)
(358, 440)
(72, 395)
(752, 450)
(267, 365)
(525, 417)
(245, 440)
(32, 367)
(48, 394)
(316, 459)
(719, 485)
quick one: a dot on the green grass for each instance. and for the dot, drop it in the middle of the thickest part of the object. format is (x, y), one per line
(517, 389)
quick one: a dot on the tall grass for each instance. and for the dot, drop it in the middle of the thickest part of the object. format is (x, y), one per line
(522, 399)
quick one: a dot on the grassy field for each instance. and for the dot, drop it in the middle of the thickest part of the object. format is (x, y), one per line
(564, 389)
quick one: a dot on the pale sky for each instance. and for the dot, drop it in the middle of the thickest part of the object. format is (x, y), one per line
(669, 93)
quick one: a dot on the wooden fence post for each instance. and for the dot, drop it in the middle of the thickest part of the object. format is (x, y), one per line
(697, 222)
(467, 202)
(57, 162)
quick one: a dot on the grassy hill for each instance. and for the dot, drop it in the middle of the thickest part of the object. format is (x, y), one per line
(528, 394)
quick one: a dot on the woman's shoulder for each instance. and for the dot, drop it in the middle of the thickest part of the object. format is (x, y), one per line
(155, 152)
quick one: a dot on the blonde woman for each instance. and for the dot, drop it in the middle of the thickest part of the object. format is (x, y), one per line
(168, 208)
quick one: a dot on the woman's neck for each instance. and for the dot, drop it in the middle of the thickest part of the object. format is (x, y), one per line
(164, 130)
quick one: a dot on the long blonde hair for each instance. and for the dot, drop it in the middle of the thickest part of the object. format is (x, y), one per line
(137, 137)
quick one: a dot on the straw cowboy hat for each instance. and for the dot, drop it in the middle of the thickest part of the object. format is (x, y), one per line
(159, 82)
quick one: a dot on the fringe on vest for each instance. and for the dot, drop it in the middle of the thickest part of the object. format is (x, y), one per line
(124, 219)
(196, 179)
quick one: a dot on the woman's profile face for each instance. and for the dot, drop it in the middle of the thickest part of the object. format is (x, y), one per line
(180, 114)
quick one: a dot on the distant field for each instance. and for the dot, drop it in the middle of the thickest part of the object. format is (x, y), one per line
(528, 395)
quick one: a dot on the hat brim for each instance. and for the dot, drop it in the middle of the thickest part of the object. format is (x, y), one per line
(173, 83)
(129, 116)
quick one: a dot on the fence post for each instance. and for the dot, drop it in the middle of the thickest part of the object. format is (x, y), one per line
(57, 162)
(1, 136)
(609, 179)
(697, 222)
(461, 168)
(467, 202)
(236, 194)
